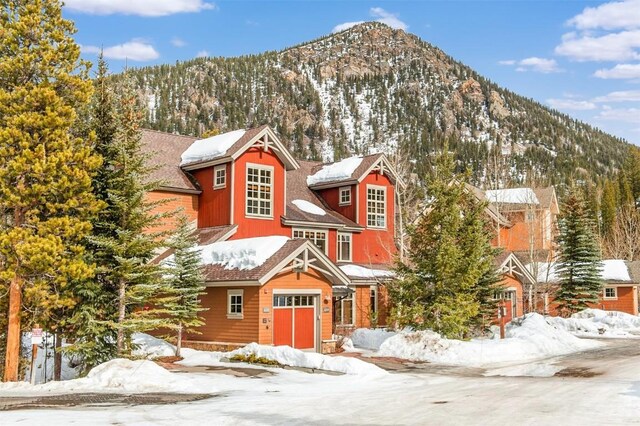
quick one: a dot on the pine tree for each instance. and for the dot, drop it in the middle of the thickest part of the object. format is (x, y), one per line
(448, 281)
(579, 259)
(124, 245)
(608, 206)
(45, 171)
(185, 281)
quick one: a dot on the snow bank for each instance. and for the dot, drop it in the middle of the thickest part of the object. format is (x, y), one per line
(335, 172)
(287, 356)
(362, 272)
(527, 339)
(151, 347)
(210, 148)
(599, 323)
(244, 254)
(512, 196)
(370, 339)
(308, 207)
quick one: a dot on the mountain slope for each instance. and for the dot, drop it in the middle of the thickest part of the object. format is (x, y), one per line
(373, 88)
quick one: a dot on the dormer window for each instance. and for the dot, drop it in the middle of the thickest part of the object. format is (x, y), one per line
(219, 177)
(376, 206)
(259, 191)
(345, 196)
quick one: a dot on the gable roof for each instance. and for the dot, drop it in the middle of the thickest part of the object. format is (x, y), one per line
(547, 198)
(614, 271)
(351, 175)
(508, 263)
(491, 209)
(205, 236)
(229, 146)
(285, 258)
(297, 189)
(163, 151)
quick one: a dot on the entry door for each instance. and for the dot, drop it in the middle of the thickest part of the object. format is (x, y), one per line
(294, 321)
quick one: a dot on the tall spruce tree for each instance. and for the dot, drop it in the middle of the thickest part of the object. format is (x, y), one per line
(579, 258)
(448, 281)
(125, 243)
(45, 171)
(185, 281)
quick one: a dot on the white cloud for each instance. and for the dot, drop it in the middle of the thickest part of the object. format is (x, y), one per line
(627, 115)
(621, 96)
(571, 104)
(609, 16)
(178, 42)
(620, 71)
(379, 15)
(620, 46)
(134, 50)
(137, 7)
(534, 64)
(202, 54)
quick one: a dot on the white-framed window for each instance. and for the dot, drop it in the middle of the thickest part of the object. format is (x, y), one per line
(610, 293)
(318, 237)
(344, 247)
(345, 310)
(259, 192)
(376, 206)
(373, 296)
(219, 177)
(345, 196)
(235, 308)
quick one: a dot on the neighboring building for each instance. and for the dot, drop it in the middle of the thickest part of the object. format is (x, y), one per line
(620, 292)
(244, 186)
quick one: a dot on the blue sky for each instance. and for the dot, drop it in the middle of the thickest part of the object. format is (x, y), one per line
(581, 57)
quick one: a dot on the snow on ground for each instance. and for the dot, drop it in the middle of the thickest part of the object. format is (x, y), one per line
(536, 369)
(370, 339)
(599, 323)
(308, 207)
(529, 338)
(335, 172)
(210, 148)
(362, 272)
(512, 196)
(151, 347)
(243, 254)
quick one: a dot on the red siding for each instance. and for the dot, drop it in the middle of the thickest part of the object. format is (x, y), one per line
(215, 203)
(374, 245)
(251, 227)
(332, 198)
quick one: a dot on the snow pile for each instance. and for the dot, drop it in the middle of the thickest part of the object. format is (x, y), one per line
(512, 196)
(362, 272)
(151, 347)
(308, 207)
(210, 148)
(244, 254)
(335, 172)
(370, 339)
(611, 270)
(599, 323)
(286, 355)
(527, 339)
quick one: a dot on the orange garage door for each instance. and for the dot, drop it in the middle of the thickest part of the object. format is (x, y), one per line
(294, 321)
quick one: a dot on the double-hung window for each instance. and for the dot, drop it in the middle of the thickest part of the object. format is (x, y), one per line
(345, 196)
(234, 304)
(259, 190)
(219, 177)
(319, 238)
(344, 310)
(344, 247)
(376, 206)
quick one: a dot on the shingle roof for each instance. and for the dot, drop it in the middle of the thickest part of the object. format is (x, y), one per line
(491, 208)
(545, 196)
(367, 162)
(297, 189)
(205, 236)
(164, 150)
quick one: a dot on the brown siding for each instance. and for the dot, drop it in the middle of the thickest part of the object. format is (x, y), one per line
(175, 201)
(218, 327)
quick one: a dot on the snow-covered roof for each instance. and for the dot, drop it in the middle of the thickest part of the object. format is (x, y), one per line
(512, 196)
(611, 270)
(210, 148)
(357, 271)
(244, 254)
(341, 170)
(308, 207)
